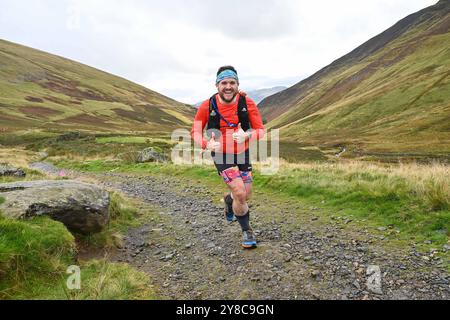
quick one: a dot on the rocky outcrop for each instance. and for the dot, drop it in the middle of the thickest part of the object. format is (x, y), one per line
(81, 207)
(7, 170)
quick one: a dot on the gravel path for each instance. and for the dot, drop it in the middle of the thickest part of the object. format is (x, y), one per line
(191, 252)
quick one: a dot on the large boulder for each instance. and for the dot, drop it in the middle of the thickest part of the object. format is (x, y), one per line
(150, 155)
(82, 207)
(7, 170)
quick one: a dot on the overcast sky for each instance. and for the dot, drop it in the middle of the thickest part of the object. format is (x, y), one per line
(176, 46)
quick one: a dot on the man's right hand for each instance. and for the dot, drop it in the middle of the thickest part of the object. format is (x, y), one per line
(213, 145)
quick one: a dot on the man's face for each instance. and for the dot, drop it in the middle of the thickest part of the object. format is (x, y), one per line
(227, 89)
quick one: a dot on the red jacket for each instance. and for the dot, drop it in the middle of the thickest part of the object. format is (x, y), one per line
(229, 112)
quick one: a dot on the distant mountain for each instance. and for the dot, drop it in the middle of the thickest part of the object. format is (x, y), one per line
(257, 95)
(260, 94)
(42, 90)
(391, 94)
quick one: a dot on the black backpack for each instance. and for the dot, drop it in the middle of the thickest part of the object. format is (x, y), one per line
(215, 116)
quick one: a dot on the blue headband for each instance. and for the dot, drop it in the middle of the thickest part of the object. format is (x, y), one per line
(227, 74)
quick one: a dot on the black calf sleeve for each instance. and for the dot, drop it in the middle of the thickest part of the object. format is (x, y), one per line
(244, 221)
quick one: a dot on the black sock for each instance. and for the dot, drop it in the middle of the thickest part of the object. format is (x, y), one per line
(244, 221)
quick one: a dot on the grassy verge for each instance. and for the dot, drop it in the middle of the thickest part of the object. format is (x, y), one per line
(35, 255)
(415, 200)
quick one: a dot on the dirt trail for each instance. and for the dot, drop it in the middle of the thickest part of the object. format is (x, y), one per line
(191, 252)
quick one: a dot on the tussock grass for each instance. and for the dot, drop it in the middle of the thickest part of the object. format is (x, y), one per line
(101, 280)
(427, 183)
(17, 156)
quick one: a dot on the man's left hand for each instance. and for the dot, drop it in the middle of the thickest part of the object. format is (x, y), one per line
(240, 135)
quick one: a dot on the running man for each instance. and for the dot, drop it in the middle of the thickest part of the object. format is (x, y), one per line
(232, 120)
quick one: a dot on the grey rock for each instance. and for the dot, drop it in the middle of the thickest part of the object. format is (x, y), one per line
(150, 155)
(7, 170)
(167, 257)
(315, 274)
(42, 155)
(356, 285)
(373, 282)
(46, 168)
(82, 207)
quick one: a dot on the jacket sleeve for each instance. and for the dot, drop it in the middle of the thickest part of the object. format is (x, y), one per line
(200, 120)
(255, 120)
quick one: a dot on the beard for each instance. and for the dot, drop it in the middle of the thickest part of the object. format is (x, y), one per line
(222, 95)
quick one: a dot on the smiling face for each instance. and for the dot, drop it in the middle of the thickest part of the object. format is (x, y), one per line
(228, 88)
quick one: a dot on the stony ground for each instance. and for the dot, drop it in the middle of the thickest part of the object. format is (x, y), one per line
(192, 252)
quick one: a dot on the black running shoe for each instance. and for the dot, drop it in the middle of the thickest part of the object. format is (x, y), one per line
(249, 239)
(228, 210)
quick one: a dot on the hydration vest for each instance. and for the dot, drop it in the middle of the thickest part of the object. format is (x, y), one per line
(215, 116)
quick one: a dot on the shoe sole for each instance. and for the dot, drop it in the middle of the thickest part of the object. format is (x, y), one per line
(249, 246)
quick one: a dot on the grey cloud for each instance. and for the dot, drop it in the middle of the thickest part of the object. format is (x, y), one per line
(250, 19)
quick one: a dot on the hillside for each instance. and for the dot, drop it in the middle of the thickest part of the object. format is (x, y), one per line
(41, 90)
(389, 95)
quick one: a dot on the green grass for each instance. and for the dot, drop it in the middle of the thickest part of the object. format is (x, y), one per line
(40, 248)
(35, 255)
(384, 200)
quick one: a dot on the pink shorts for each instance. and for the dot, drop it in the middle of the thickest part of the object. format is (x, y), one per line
(230, 174)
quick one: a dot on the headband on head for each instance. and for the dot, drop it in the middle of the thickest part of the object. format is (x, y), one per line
(227, 74)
